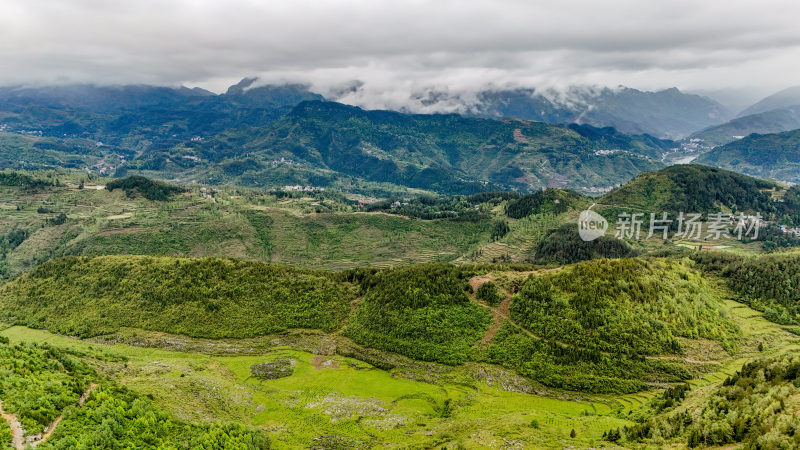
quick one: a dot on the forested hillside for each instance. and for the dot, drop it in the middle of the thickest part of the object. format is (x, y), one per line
(755, 407)
(445, 153)
(576, 329)
(767, 283)
(775, 156)
(421, 312)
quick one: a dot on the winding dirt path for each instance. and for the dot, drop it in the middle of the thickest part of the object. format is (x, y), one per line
(502, 312)
(17, 433)
(20, 442)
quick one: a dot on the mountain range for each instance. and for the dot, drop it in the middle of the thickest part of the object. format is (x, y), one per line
(280, 135)
(668, 113)
(587, 139)
(772, 121)
(774, 114)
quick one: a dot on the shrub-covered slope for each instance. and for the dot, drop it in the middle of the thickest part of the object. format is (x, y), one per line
(205, 297)
(43, 386)
(421, 312)
(769, 283)
(756, 408)
(593, 326)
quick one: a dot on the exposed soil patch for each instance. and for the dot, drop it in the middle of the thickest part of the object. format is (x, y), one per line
(321, 362)
(500, 315)
(476, 282)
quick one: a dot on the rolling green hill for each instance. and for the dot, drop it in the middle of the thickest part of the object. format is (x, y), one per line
(47, 214)
(211, 298)
(694, 188)
(403, 354)
(775, 156)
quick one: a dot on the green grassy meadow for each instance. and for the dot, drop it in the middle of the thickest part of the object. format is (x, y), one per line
(347, 398)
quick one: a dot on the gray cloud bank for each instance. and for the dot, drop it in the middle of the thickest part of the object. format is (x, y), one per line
(403, 49)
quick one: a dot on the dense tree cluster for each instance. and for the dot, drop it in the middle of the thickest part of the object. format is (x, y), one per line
(116, 418)
(429, 207)
(488, 292)
(147, 188)
(564, 245)
(499, 230)
(21, 179)
(774, 239)
(554, 201)
(756, 407)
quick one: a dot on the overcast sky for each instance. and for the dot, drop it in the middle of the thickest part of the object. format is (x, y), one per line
(399, 48)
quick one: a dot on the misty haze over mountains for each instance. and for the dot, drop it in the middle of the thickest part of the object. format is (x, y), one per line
(668, 113)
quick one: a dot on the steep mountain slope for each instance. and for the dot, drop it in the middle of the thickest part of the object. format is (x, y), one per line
(668, 113)
(769, 156)
(774, 121)
(445, 153)
(779, 100)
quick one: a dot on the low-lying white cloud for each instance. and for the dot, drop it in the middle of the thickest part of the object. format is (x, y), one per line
(379, 53)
